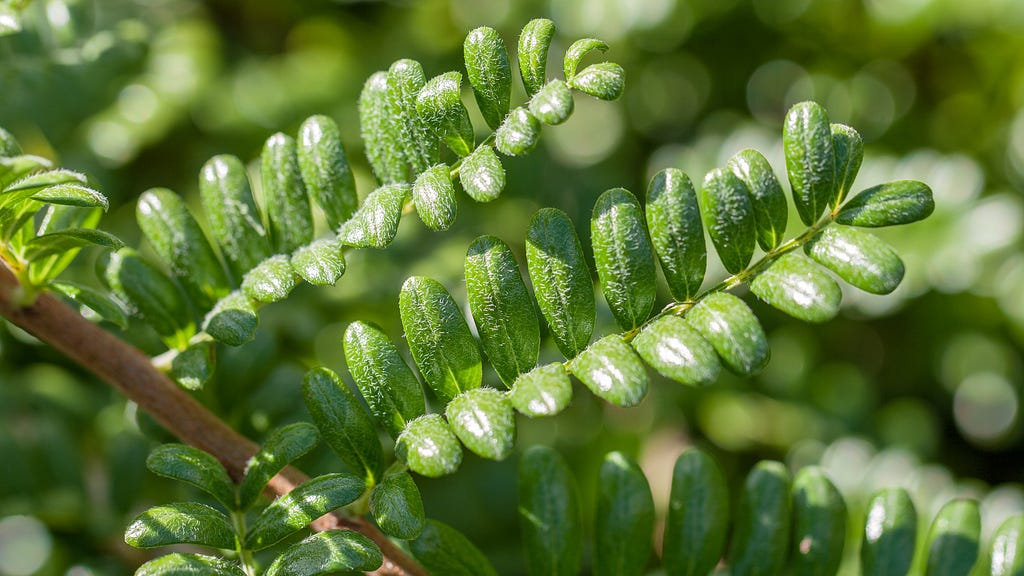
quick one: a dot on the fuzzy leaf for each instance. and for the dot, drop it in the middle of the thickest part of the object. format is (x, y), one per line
(576, 52)
(810, 159)
(604, 81)
(434, 196)
(412, 133)
(442, 549)
(553, 104)
(673, 348)
(284, 446)
(890, 534)
(375, 224)
(484, 421)
(180, 523)
(534, 42)
(100, 302)
(234, 220)
(482, 175)
(953, 539)
(293, 511)
(860, 258)
(14, 168)
(728, 214)
(289, 218)
(35, 182)
(890, 204)
(733, 330)
(543, 391)
(848, 148)
(612, 371)
(766, 196)
(325, 170)
(798, 287)
(428, 446)
(489, 73)
(344, 423)
(378, 132)
(518, 133)
(622, 252)
(320, 263)
(72, 195)
(819, 524)
(673, 218)
(549, 513)
(328, 552)
(1008, 548)
(68, 239)
(233, 320)
(439, 104)
(156, 298)
(270, 281)
(397, 507)
(178, 564)
(192, 367)
(698, 516)
(195, 467)
(759, 543)
(624, 518)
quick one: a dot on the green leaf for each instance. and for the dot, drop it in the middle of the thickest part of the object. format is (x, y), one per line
(698, 516)
(397, 507)
(10, 23)
(16, 167)
(378, 132)
(1008, 548)
(534, 43)
(154, 296)
(953, 539)
(192, 367)
(284, 446)
(324, 167)
(673, 218)
(442, 549)
(328, 552)
(576, 52)
(180, 523)
(482, 175)
(890, 204)
(622, 253)
(384, 379)
(561, 279)
(439, 104)
(890, 534)
(549, 513)
(178, 564)
(35, 182)
(810, 159)
(344, 423)
(289, 219)
(270, 281)
(604, 81)
(375, 224)
(677, 351)
(68, 239)
(293, 511)
(728, 214)
(412, 134)
(819, 524)
(195, 467)
(439, 338)
(798, 287)
(8, 144)
(320, 263)
(848, 148)
(484, 421)
(102, 303)
(733, 330)
(72, 195)
(624, 521)
(502, 308)
(428, 447)
(553, 104)
(434, 196)
(766, 196)
(235, 222)
(761, 537)
(233, 319)
(612, 371)
(543, 391)
(518, 133)
(72, 228)
(489, 73)
(860, 258)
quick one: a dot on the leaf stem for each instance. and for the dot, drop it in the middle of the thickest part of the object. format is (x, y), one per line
(244, 555)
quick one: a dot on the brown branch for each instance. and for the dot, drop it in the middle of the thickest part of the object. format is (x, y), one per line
(130, 371)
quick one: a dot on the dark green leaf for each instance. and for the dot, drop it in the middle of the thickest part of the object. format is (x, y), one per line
(289, 218)
(270, 281)
(890, 204)
(344, 423)
(284, 446)
(378, 132)
(848, 148)
(810, 159)
(612, 371)
(439, 104)
(71, 195)
(412, 133)
(518, 133)
(698, 516)
(677, 351)
(428, 446)
(767, 198)
(576, 52)
(194, 466)
(622, 252)
(761, 538)
(543, 391)
(534, 42)
(397, 507)
(180, 523)
(890, 534)
(178, 564)
(434, 197)
(549, 513)
(69, 239)
(953, 540)
(232, 320)
(325, 170)
(624, 521)
(320, 263)
(154, 296)
(553, 104)
(604, 81)
(489, 73)
(860, 258)
(673, 218)
(293, 511)
(730, 326)
(482, 175)
(728, 214)
(819, 524)
(375, 224)
(328, 552)
(484, 421)
(1008, 548)
(193, 366)
(101, 303)
(442, 549)
(235, 222)
(798, 287)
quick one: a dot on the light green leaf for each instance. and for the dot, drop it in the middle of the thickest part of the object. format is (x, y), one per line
(673, 218)
(798, 287)
(428, 447)
(482, 175)
(180, 523)
(375, 224)
(270, 281)
(344, 423)
(72, 195)
(378, 130)
(154, 296)
(289, 218)
(434, 196)
(195, 467)
(698, 516)
(890, 534)
(677, 351)
(442, 549)
(178, 564)
(549, 513)
(733, 330)
(489, 73)
(953, 539)
(860, 258)
(193, 366)
(235, 222)
(761, 537)
(728, 215)
(61, 241)
(576, 52)
(15, 167)
(419, 148)
(612, 371)
(534, 42)
(622, 252)
(293, 511)
(233, 319)
(605, 81)
(484, 421)
(543, 391)
(100, 302)
(848, 148)
(1008, 548)
(328, 552)
(810, 159)
(518, 133)
(624, 521)
(35, 182)
(890, 204)
(325, 170)
(8, 144)
(553, 104)
(766, 196)
(284, 446)
(320, 263)
(439, 104)
(819, 524)
(397, 507)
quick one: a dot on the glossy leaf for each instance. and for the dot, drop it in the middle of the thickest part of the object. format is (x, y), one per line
(624, 518)
(289, 218)
(412, 133)
(674, 221)
(543, 391)
(442, 549)
(178, 564)
(733, 330)
(439, 104)
(953, 539)
(233, 320)
(284, 446)
(484, 421)
(194, 466)
(502, 308)
(890, 534)
(605, 81)
(518, 133)
(325, 171)
(375, 224)
(482, 175)
(328, 552)
(489, 73)
(60, 241)
(798, 287)
(180, 523)
(192, 367)
(553, 104)
(762, 530)
(622, 253)
(378, 132)
(819, 524)
(270, 281)
(439, 338)
(234, 220)
(101, 303)
(428, 446)
(810, 159)
(728, 215)
(397, 507)
(549, 513)
(698, 516)
(612, 371)
(848, 148)
(294, 510)
(860, 258)
(771, 211)
(677, 351)
(72, 195)
(534, 42)
(344, 423)
(891, 204)
(320, 263)
(1008, 548)
(154, 296)
(434, 196)
(577, 51)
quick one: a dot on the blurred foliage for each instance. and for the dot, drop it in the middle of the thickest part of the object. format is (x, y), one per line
(922, 388)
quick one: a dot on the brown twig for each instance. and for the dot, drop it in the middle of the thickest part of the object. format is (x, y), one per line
(130, 371)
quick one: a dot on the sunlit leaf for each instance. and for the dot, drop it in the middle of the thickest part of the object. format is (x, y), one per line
(798, 287)
(482, 175)
(518, 133)
(309, 501)
(553, 104)
(622, 253)
(677, 351)
(320, 263)
(281, 448)
(733, 330)
(728, 215)
(534, 42)
(890, 534)
(375, 224)
(577, 51)
(289, 218)
(178, 564)
(325, 170)
(810, 159)
(397, 507)
(674, 221)
(605, 80)
(194, 466)
(954, 539)
(860, 258)
(271, 280)
(180, 523)
(890, 204)
(612, 371)
(231, 211)
(328, 552)
(484, 421)
(543, 391)
(428, 446)
(489, 73)
(434, 196)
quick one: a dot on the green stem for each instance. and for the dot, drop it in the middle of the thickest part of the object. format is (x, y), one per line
(244, 555)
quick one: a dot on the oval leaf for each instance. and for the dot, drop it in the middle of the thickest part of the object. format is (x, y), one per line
(72, 195)
(761, 537)
(553, 104)
(612, 371)
(489, 73)
(309, 501)
(549, 513)
(577, 51)
(434, 197)
(534, 42)
(622, 253)
(848, 148)
(953, 540)
(698, 516)
(798, 287)
(890, 534)
(178, 564)
(102, 303)
(767, 198)
(442, 549)
(543, 391)
(728, 214)
(68, 239)
(180, 523)
(677, 351)
(439, 104)
(284, 446)
(891, 204)
(375, 224)
(193, 366)
(270, 281)
(810, 160)
(324, 167)
(860, 258)
(195, 467)
(155, 297)
(344, 423)
(234, 220)
(397, 507)
(1008, 548)
(673, 218)
(819, 524)
(412, 133)
(624, 521)
(378, 132)
(604, 81)
(428, 447)
(518, 133)
(233, 320)
(328, 552)
(482, 175)
(284, 193)
(320, 263)
(733, 330)
(484, 421)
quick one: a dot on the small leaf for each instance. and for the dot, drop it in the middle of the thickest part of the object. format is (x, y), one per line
(612, 371)
(622, 253)
(733, 330)
(518, 133)
(397, 507)
(561, 279)
(439, 104)
(428, 447)
(482, 175)
(677, 351)
(192, 367)
(180, 523)
(577, 51)
(68, 239)
(8, 144)
(1008, 548)
(890, 204)
(434, 196)
(890, 534)
(442, 549)
(178, 564)
(234, 220)
(328, 552)
(819, 524)
(270, 281)
(156, 298)
(384, 379)
(439, 338)
(624, 518)
(767, 198)
(284, 446)
(102, 303)
(953, 540)
(860, 258)
(412, 133)
(325, 170)
(15, 167)
(810, 159)
(40, 180)
(232, 320)
(848, 148)
(604, 81)
(289, 218)
(378, 132)
(761, 537)
(553, 104)
(293, 511)
(71, 195)
(798, 287)
(728, 214)
(194, 466)
(344, 423)
(484, 421)
(549, 513)
(375, 224)
(534, 42)
(543, 391)
(320, 263)
(502, 308)
(698, 516)
(673, 218)
(489, 73)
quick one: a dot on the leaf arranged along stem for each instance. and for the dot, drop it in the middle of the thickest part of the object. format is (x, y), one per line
(624, 518)
(289, 219)
(622, 253)
(698, 516)
(234, 220)
(674, 221)
(549, 513)
(489, 73)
